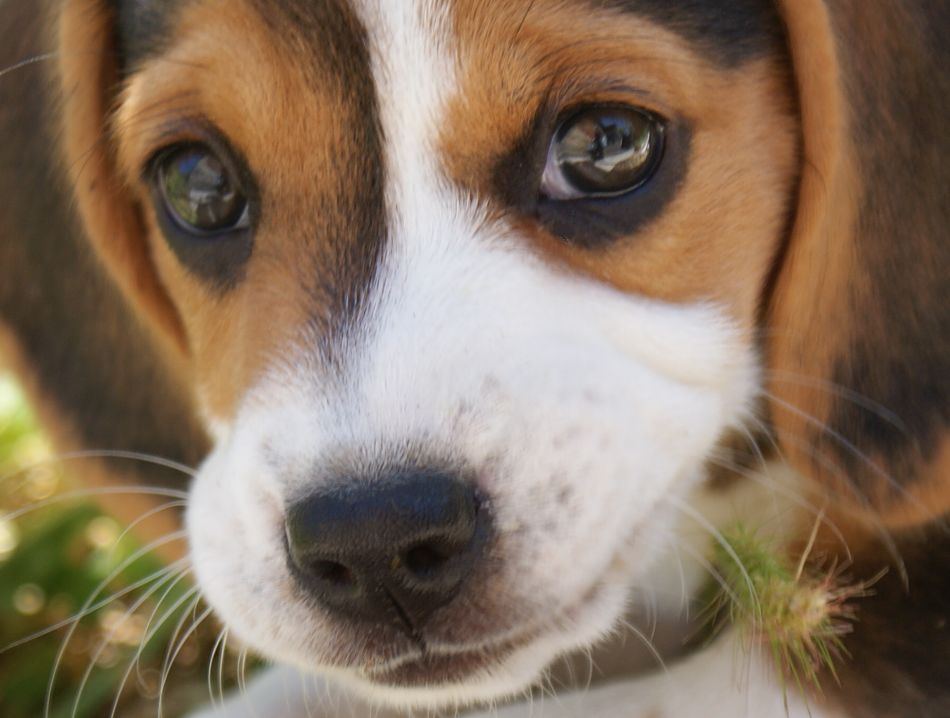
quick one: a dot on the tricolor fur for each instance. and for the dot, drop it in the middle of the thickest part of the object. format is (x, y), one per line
(405, 295)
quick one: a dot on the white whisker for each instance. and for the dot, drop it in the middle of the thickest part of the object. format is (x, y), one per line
(107, 639)
(214, 649)
(45, 57)
(92, 493)
(717, 535)
(166, 672)
(146, 639)
(145, 550)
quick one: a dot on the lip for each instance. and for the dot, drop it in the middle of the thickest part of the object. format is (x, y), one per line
(455, 665)
(434, 670)
(443, 667)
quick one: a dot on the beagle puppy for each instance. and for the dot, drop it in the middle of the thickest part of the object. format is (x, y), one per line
(459, 304)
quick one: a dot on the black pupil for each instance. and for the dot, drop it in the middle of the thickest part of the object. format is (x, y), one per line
(607, 151)
(199, 191)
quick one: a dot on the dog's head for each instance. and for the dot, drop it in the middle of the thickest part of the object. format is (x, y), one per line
(469, 291)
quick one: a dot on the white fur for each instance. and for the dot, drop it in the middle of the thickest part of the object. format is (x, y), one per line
(721, 682)
(583, 410)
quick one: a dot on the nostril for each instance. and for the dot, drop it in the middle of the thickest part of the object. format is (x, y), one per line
(333, 573)
(425, 560)
(412, 539)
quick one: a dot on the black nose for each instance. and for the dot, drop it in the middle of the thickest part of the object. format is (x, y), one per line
(396, 549)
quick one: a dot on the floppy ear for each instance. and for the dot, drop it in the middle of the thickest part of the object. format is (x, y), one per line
(90, 76)
(94, 369)
(859, 317)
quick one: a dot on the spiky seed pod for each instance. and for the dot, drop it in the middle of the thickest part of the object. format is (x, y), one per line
(798, 613)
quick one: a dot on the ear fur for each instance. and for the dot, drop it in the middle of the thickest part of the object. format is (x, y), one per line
(90, 83)
(859, 318)
(92, 364)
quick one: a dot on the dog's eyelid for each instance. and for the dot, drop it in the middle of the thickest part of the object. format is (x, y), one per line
(180, 132)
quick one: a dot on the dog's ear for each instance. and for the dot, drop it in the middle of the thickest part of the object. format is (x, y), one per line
(858, 336)
(90, 69)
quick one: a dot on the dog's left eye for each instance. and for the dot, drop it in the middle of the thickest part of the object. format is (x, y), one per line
(200, 191)
(602, 152)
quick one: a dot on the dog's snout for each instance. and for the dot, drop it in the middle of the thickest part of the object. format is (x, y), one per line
(392, 550)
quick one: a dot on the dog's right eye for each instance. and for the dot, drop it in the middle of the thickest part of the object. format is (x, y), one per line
(200, 192)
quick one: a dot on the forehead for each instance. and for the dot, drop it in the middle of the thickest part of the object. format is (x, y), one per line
(355, 115)
(731, 31)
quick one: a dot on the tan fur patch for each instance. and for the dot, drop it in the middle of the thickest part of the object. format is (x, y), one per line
(716, 240)
(824, 296)
(291, 124)
(111, 219)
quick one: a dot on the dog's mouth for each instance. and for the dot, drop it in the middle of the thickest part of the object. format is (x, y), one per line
(435, 668)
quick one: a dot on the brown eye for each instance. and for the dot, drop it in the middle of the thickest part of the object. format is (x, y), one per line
(602, 152)
(200, 191)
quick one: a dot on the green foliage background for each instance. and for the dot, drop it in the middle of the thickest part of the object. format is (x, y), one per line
(54, 553)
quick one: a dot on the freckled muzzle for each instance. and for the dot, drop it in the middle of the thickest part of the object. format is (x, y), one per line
(389, 552)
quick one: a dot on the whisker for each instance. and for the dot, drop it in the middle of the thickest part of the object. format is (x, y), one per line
(146, 639)
(224, 649)
(92, 609)
(242, 680)
(647, 642)
(105, 582)
(93, 493)
(714, 573)
(844, 442)
(174, 655)
(45, 57)
(172, 639)
(709, 568)
(790, 495)
(119, 454)
(107, 639)
(214, 650)
(241, 674)
(843, 392)
(716, 534)
(155, 612)
(145, 517)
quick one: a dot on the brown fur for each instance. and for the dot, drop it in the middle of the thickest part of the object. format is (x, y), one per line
(295, 151)
(97, 376)
(859, 347)
(717, 238)
(857, 300)
(851, 303)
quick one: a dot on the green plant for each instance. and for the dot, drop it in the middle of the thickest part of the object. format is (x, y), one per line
(90, 621)
(797, 611)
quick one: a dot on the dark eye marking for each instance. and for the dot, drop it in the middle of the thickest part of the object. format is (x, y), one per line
(206, 204)
(597, 173)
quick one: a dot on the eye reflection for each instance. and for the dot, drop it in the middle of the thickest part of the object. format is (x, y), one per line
(602, 152)
(200, 192)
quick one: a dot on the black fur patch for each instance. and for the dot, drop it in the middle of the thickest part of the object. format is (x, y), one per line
(333, 42)
(142, 28)
(899, 653)
(899, 357)
(729, 31)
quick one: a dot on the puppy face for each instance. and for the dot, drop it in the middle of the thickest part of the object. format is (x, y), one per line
(522, 247)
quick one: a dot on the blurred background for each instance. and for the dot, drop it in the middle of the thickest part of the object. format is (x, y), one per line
(92, 624)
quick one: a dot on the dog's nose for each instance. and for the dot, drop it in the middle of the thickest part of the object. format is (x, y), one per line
(393, 550)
